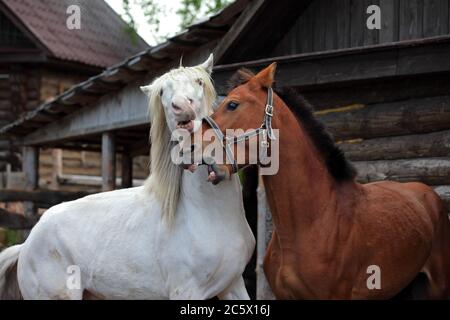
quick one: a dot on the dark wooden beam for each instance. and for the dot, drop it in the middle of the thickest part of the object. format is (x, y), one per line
(15, 221)
(30, 164)
(388, 119)
(351, 65)
(435, 144)
(259, 29)
(431, 171)
(145, 63)
(35, 57)
(121, 74)
(42, 198)
(127, 108)
(108, 161)
(10, 157)
(241, 24)
(127, 170)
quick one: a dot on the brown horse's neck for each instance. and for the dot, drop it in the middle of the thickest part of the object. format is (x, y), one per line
(303, 192)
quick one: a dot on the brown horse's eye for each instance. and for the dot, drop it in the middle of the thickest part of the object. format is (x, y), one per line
(232, 105)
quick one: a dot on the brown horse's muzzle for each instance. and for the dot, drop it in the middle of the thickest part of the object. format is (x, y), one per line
(218, 173)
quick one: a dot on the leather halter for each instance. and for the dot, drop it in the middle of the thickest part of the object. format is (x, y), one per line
(265, 129)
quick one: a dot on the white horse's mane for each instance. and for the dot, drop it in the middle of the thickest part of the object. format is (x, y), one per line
(165, 176)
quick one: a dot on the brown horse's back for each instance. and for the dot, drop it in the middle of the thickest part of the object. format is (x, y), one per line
(414, 228)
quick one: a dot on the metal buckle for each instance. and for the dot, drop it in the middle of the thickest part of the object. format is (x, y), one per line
(269, 110)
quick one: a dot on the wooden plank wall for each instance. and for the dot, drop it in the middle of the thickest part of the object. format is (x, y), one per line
(23, 89)
(403, 141)
(79, 164)
(336, 24)
(19, 93)
(54, 82)
(5, 113)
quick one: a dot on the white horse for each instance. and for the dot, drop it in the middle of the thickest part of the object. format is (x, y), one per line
(177, 237)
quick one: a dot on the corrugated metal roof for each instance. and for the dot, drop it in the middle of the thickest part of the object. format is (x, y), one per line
(132, 69)
(102, 40)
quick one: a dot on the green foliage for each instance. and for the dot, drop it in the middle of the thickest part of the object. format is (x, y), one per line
(9, 238)
(189, 11)
(12, 237)
(131, 24)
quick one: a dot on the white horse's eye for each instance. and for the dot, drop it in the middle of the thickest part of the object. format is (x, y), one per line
(161, 92)
(200, 82)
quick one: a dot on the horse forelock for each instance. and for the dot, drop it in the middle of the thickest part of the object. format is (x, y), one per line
(165, 177)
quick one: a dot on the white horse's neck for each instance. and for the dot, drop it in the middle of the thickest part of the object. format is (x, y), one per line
(224, 199)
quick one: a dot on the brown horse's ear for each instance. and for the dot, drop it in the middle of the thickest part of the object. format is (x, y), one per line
(266, 76)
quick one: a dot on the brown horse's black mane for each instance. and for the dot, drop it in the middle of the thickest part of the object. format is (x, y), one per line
(338, 165)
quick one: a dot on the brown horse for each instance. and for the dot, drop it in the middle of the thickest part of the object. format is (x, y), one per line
(330, 231)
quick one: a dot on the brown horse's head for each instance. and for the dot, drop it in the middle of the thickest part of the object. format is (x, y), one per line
(244, 109)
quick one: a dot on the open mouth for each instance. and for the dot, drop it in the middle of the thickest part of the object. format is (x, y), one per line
(187, 125)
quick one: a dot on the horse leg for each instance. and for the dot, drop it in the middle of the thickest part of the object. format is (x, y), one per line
(437, 267)
(43, 273)
(45, 282)
(236, 291)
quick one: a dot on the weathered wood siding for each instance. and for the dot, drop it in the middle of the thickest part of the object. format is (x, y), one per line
(402, 137)
(337, 24)
(79, 164)
(55, 82)
(19, 93)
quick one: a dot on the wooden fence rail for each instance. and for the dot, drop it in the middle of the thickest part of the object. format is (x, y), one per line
(42, 198)
(431, 171)
(15, 221)
(430, 145)
(388, 119)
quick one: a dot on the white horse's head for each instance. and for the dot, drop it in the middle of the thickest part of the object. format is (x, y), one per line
(184, 95)
(181, 98)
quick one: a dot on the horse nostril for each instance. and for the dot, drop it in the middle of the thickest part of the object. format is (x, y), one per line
(175, 107)
(190, 100)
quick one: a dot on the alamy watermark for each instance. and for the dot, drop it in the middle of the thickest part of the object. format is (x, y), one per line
(73, 281)
(73, 21)
(374, 20)
(374, 280)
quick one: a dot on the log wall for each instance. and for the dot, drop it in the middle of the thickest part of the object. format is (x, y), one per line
(81, 171)
(336, 24)
(406, 140)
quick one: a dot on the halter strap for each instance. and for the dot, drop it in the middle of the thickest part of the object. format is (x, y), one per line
(221, 138)
(265, 128)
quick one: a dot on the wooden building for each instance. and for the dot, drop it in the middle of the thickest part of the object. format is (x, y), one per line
(383, 94)
(41, 58)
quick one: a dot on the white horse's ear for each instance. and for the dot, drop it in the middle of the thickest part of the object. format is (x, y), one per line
(208, 64)
(146, 89)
